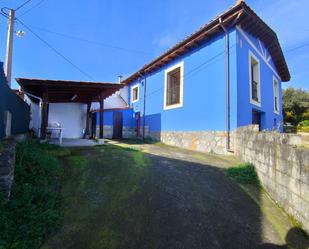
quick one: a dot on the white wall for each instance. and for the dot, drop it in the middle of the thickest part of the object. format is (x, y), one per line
(115, 101)
(71, 116)
(35, 116)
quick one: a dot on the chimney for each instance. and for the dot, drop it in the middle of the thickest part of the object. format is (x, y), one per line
(239, 2)
(119, 79)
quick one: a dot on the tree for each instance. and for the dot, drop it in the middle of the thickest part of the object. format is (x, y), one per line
(295, 104)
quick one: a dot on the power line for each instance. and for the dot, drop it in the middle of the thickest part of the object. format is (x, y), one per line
(298, 47)
(91, 42)
(25, 3)
(55, 50)
(33, 7)
(196, 69)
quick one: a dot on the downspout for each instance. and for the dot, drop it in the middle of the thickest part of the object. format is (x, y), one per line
(227, 62)
(144, 111)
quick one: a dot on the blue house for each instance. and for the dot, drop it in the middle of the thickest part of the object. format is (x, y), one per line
(225, 75)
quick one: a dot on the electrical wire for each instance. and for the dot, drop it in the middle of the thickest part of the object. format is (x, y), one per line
(21, 6)
(196, 69)
(91, 42)
(296, 48)
(33, 7)
(56, 51)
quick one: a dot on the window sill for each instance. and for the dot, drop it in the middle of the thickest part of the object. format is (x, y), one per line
(169, 107)
(256, 103)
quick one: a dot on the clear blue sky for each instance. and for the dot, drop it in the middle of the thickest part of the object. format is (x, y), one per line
(125, 35)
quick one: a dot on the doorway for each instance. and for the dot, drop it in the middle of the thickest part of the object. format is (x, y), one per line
(256, 118)
(93, 132)
(117, 125)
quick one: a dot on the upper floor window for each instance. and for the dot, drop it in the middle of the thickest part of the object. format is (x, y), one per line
(134, 93)
(276, 96)
(255, 85)
(173, 87)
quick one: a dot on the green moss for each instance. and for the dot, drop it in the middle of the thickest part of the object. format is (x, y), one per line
(77, 162)
(244, 173)
(104, 202)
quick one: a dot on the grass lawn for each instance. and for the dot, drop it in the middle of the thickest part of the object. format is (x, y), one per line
(104, 190)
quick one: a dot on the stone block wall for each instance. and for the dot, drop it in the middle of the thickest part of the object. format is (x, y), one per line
(282, 166)
(203, 141)
(7, 165)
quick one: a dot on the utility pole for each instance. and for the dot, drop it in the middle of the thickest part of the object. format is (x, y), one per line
(9, 46)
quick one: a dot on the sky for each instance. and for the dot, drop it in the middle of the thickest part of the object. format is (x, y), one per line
(107, 38)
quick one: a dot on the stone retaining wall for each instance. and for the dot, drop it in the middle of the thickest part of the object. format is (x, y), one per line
(204, 141)
(7, 165)
(282, 167)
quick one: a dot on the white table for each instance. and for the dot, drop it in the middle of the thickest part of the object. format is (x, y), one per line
(59, 129)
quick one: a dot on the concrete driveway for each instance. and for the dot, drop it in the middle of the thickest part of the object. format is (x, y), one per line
(181, 200)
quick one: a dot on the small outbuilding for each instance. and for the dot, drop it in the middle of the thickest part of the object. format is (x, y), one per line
(63, 107)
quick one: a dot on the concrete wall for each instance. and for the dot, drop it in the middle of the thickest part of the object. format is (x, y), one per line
(270, 120)
(10, 102)
(71, 116)
(35, 116)
(127, 132)
(282, 167)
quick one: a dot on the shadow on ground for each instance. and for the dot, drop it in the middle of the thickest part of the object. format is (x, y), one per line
(160, 197)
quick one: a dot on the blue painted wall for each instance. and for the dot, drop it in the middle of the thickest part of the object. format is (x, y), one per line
(269, 119)
(204, 94)
(128, 117)
(9, 101)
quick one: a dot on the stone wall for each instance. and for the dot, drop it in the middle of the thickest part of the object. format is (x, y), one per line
(282, 166)
(7, 165)
(204, 141)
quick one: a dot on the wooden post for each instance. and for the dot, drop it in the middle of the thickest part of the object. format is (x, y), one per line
(87, 132)
(45, 108)
(101, 116)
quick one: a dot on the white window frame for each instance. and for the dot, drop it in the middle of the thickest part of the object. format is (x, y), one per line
(276, 91)
(167, 71)
(132, 88)
(252, 101)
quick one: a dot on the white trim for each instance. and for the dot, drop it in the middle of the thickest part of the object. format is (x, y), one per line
(256, 49)
(268, 59)
(180, 104)
(133, 87)
(252, 101)
(274, 95)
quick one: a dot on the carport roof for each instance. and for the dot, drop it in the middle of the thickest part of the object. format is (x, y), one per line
(68, 91)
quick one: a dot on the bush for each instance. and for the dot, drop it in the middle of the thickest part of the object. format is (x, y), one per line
(303, 126)
(33, 211)
(244, 173)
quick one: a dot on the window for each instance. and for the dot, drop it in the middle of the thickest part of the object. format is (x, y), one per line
(254, 72)
(173, 87)
(276, 96)
(134, 93)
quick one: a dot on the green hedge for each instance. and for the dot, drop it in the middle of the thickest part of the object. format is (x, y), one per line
(34, 210)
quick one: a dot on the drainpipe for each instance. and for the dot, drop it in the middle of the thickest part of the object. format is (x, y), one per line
(227, 62)
(144, 114)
